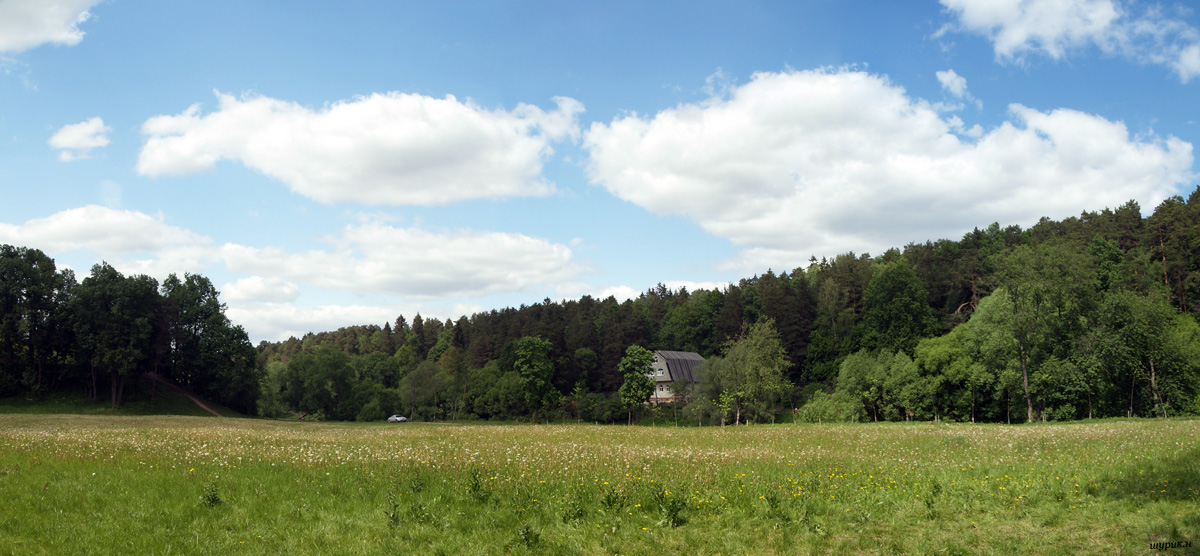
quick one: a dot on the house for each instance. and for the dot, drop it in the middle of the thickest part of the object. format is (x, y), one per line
(670, 367)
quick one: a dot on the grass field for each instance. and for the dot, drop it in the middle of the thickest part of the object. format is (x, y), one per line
(195, 485)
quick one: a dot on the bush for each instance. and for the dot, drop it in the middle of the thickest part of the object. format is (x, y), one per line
(372, 411)
(824, 408)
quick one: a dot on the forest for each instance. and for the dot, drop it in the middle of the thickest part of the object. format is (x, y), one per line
(104, 333)
(1088, 317)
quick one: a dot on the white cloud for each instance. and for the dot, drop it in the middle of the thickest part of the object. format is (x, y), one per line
(373, 258)
(1055, 28)
(956, 85)
(365, 259)
(1188, 64)
(822, 162)
(383, 149)
(465, 309)
(278, 321)
(953, 83)
(25, 24)
(77, 140)
(675, 285)
(254, 289)
(102, 229)
(621, 293)
(369, 259)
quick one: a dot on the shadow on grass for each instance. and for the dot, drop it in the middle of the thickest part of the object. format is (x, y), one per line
(141, 398)
(1173, 479)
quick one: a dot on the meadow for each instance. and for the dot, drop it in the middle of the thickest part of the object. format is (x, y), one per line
(204, 485)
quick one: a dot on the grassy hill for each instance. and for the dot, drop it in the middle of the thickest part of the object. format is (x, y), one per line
(140, 399)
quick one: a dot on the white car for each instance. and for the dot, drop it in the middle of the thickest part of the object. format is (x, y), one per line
(397, 419)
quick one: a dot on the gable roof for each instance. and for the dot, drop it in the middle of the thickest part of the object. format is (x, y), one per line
(680, 363)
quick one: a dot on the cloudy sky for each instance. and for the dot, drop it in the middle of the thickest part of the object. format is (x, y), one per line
(328, 164)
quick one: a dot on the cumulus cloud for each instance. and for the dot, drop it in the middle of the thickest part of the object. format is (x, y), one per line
(369, 259)
(102, 229)
(822, 162)
(956, 86)
(383, 149)
(621, 293)
(256, 289)
(77, 140)
(278, 321)
(377, 258)
(1020, 27)
(676, 285)
(953, 83)
(366, 258)
(25, 24)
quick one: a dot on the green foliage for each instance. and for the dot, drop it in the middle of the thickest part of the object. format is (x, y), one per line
(836, 408)
(271, 402)
(423, 391)
(752, 372)
(391, 510)
(320, 380)
(1083, 317)
(527, 537)
(670, 508)
(532, 363)
(637, 386)
(211, 497)
(897, 312)
(1050, 287)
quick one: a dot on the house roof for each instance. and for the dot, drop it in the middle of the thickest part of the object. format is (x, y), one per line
(681, 363)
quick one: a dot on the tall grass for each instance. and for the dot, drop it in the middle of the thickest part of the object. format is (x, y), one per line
(186, 485)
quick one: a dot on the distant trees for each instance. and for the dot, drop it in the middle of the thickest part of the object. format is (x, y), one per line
(1086, 317)
(749, 378)
(110, 329)
(1090, 316)
(532, 363)
(896, 309)
(114, 322)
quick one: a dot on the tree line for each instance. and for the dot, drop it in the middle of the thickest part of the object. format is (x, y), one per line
(1090, 316)
(100, 335)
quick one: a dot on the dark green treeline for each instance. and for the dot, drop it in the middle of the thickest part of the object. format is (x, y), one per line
(1093, 316)
(1087, 317)
(100, 335)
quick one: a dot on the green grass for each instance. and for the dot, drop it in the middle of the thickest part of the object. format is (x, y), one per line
(187, 485)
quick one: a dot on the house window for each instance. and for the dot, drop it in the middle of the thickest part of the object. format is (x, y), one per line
(660, 372)
(661, 388)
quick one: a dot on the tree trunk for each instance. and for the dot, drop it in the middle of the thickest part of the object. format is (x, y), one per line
(1162, 245)
(1025, 381)
(1154, 389)
(1132, 382)
(1008, 406)
(112, 382)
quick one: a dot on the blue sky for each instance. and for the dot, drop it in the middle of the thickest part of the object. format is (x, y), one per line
(328, 164)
